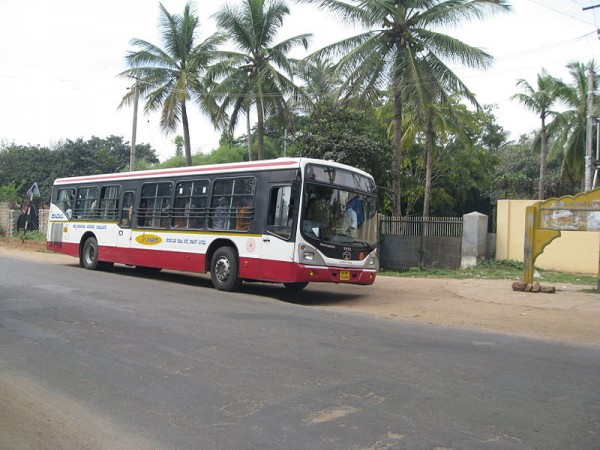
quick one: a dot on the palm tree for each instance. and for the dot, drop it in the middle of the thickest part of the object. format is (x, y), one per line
(259, 74)
(399, 34)
(321, 84)
(568, 130)
(539, 100)
(172, 75)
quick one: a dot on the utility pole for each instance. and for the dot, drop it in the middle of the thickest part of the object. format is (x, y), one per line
(589, 163)
(136, 96)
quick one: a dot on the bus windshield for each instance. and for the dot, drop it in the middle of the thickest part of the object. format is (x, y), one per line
(336, 215)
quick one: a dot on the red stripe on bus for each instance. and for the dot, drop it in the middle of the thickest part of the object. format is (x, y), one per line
(177, 171)
(250, 268)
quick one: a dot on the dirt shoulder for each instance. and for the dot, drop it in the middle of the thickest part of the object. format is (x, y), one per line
(571, 314)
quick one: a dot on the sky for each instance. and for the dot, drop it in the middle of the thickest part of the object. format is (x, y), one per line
(61, 58)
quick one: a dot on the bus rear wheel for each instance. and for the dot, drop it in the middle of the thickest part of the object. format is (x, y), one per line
(89, 256)
(296, 286)
(224, 270)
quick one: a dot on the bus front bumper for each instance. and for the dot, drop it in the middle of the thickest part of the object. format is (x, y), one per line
(316, 274)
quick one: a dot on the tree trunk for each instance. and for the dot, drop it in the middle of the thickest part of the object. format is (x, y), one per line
(186, 135)
(543, 155)
(429, 142)
(397, 160)
(249, 135)
(260, 127)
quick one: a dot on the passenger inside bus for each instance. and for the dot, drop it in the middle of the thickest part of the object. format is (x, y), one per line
(127, 212)
(220, 217)
(350, 220)
(69, 206)
(244, 215)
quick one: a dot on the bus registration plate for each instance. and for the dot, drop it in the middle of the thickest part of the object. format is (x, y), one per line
(344, 275)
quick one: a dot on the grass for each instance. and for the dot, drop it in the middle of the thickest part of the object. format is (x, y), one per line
(495, 270)
(36, 236)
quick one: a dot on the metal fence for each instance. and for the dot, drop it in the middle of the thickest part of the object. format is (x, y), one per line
(421, 226)
(408, 242)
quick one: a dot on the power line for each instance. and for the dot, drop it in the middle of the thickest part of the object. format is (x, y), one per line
(564, 12)
(590, 7)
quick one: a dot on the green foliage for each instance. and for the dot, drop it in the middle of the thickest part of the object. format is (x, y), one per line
(260, 73)
(10, 193)
(225, 153)
(347, 136)
(568, 129)
(169, 76)
(35, 236)
(175, 161)
(178, 141)
(463, 166)
(21, 166)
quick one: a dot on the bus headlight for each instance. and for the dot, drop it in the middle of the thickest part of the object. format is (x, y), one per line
(307, 254)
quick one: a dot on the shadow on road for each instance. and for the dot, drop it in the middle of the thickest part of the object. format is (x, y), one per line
(315, 294)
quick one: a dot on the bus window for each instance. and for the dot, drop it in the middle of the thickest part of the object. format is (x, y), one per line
(279, 221)
(64, 200)
(155, 205)
(109, 203)
(228, 198)
(127, 210)
(87, 203)
(189, 208)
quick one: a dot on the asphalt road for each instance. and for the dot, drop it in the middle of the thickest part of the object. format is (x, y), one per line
(170, 363)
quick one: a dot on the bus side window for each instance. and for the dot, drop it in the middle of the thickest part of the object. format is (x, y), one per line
(65, 201)
(279, 220)
(127, 210)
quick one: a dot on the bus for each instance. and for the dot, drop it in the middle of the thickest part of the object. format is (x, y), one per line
(289, 220)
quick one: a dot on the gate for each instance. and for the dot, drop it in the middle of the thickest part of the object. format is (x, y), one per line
(408, 242)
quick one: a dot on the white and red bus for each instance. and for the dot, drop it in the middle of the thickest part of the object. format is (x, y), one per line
(288, 220)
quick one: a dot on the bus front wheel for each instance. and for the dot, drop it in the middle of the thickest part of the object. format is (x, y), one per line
(89, 256)
(224, 270)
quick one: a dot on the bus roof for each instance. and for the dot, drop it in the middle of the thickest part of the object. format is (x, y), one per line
(269, 164)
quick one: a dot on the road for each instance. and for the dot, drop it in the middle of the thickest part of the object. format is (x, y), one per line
(115, 360)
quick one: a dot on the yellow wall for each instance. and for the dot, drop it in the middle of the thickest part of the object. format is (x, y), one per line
(573, 251)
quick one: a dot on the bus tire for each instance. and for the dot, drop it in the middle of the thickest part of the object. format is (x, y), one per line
(224, 270)
(296, 286)
(89, 254)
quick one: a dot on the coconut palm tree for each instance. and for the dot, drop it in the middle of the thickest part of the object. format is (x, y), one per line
(259, 74)
(320, 82)
(398, 34)
(170, 76)
(539, 99)
(568, 130)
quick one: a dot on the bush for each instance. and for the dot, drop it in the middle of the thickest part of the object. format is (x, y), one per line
(10, 193)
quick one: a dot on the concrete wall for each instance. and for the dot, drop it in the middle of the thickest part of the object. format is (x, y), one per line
(8, 219)
(574, 251)
(402, 252)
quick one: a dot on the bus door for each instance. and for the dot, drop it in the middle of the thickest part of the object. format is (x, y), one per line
(126, 221)
(277, 250)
